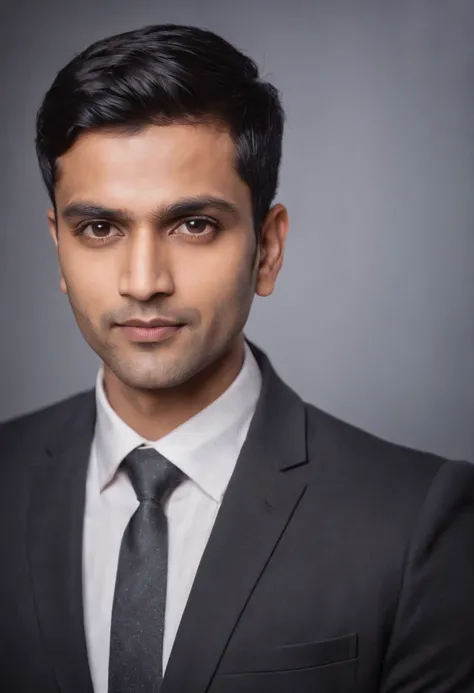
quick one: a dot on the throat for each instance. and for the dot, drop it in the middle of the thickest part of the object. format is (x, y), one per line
(155, 413)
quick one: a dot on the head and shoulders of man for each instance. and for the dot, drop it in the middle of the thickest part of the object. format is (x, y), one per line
(160, 149)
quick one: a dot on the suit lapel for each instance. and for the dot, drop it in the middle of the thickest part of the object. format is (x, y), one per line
(260, 499)
(55, 523)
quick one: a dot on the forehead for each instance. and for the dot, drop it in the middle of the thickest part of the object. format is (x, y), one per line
(156, 164)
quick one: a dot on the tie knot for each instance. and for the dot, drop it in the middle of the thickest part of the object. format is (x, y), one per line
(153, 477)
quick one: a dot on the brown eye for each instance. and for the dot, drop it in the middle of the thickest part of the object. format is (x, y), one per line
(198, 226)
(99, 228)
(99, 231)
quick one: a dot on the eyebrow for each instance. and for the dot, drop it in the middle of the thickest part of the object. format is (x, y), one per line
(176, 210)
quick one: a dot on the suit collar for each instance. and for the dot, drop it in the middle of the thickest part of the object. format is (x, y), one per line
(262, 494)
(279, 423)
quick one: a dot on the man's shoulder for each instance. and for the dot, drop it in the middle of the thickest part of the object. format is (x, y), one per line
(367, 460)
(35, 425)
(385, 485)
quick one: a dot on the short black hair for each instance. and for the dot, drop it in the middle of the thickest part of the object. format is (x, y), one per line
(163, 74)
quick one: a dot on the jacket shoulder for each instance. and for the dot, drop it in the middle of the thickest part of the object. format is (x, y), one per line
(36, 425)
(369, 461)
(380, 485)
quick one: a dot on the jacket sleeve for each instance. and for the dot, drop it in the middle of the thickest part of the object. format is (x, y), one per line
(431, 649)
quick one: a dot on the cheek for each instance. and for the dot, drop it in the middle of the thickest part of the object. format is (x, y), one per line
(218, 280)
(88, 284)
(217, 270)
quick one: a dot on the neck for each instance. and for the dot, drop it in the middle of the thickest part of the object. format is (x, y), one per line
(153, 414)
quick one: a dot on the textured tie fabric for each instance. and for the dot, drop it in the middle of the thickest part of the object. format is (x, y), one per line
(136, 639)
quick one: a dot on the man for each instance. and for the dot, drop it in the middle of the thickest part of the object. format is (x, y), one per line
(191, 524)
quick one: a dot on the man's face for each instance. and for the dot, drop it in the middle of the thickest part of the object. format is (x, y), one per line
(137, 239)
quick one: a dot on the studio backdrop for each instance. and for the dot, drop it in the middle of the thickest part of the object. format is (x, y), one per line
(373, 316)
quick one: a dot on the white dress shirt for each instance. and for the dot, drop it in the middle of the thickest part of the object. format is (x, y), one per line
(205, 448)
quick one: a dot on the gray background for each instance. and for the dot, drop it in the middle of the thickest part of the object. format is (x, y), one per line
(373, 316)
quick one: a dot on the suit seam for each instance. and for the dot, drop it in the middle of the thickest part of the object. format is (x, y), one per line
(407, 554)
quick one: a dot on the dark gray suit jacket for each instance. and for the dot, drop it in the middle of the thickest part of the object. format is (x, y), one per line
(338, 562)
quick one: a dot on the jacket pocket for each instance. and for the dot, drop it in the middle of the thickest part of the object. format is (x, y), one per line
(295, 656)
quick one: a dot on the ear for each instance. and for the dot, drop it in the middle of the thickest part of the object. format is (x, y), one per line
(53, 232)
(52, 226)
(271, 249)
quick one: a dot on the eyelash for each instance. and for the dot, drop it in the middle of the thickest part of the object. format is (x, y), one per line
(79, 231)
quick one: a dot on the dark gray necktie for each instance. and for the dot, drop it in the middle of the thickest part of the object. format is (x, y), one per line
(136, 638)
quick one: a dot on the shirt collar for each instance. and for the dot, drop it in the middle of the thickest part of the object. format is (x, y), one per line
(205, 447)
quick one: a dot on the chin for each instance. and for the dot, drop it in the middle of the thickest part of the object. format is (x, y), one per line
(152, 377)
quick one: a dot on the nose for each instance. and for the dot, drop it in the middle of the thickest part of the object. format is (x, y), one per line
(145, 270)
